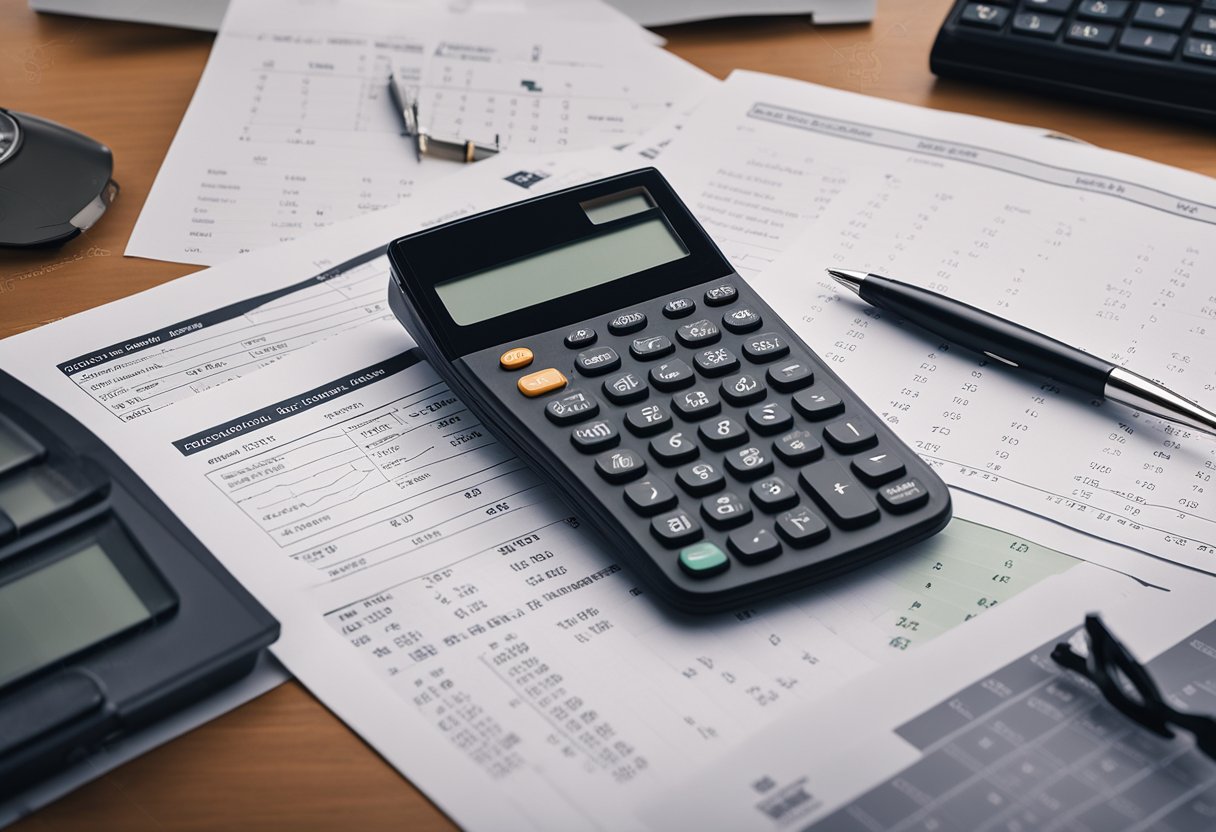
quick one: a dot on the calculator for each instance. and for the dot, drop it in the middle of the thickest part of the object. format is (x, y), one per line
(599, 332)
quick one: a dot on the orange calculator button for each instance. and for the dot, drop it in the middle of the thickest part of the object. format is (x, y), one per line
(541, 382)
(515, 359)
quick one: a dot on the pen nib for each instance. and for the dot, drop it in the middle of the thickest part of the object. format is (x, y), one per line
(848, 278)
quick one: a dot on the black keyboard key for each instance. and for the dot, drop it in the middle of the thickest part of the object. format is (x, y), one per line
(597, 361)
(1162, 15)
(1200, 49)
(679, 308)
(1148, 42)
(1053, 6)
(702, 560)
(1205, 24)
(818, 403)
(743, 389)
(769, 418)
(801, 527)
(625, 388)
(721, 434)
(1037, 25)
(748, 463)
(674, 448)
(573, 406)
(903, 496)
(651, 347)
(699, 333)
(985, 15)
(8, 529)
(672, 375)
(581, 337)
(595, 436)
(726, 510)
(716, 361)
(626, 323)
(700, 478)
(1109, 10)
(742, 320)
(620, 465)
(878, 466)
(1207, 5)
(648, 419)
(649, 497)
(675, 528)
(755, 544)
(698, 404)
(765, 347)
(721, 295)
(789, 376)
(773, 494)
(1097, 35)
(837, 493)
(850, 435)
(798, 447)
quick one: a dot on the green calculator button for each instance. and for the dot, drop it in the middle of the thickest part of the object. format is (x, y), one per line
(703, 559)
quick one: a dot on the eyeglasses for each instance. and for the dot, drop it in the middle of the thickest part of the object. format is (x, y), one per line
(1126, 685)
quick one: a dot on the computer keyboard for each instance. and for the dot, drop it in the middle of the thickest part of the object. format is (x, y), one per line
(1155, 57)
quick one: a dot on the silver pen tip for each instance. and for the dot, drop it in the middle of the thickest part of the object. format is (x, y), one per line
(848, 278)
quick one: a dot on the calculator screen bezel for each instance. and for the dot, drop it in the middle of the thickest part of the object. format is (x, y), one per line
(464, 247)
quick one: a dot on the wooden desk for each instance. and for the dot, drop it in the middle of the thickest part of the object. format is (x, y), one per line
(283, 761)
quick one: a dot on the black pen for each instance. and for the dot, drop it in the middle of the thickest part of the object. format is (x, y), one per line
(1018, 346)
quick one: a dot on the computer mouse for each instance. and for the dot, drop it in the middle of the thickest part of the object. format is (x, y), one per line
(54, 182)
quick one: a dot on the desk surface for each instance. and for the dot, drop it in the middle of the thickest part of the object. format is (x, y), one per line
(283, 761)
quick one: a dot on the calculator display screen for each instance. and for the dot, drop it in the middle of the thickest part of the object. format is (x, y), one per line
(560, 271)
(68, 605)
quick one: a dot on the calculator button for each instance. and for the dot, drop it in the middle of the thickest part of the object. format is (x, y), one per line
(1148, 42)
(755, 544)
(574, 406)
(648, 419)
(541, 382)
(700, 478)
(801, 527)
(37, 495)
(1161, 15)
(850, 435)
(721, 295)
(626, 323)
(982, 14)
(878, 466)
(798, 447)
(649, 497)
(818, 403)
(716, 361)
(674, 448)
(725, 510)
(515, 359)
(625, 388)
(17, 448)
(671, 375)
(1104, 9)
(741, 320)
(1099, 35)
(595, 436)
(767, 346)
(676, 528)
(8, 529)
(769, 418)
(697, 404)
(701, 560)
(743, 389)
(1053, 6)
(679, 308)
(748, 463)
(842, 497)
(1200, 49)
(1205, 24)
(620, 466)
(651, 347)
(1037, 25)
(698, 333)
(903, 496)
(722, 433)
(789, 376)
(773, 494)
(597, 361)
(581, 337)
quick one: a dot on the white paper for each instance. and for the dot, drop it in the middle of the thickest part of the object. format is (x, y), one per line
(292, 127)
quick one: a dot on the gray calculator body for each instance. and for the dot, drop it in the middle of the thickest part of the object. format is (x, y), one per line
(599, 333)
